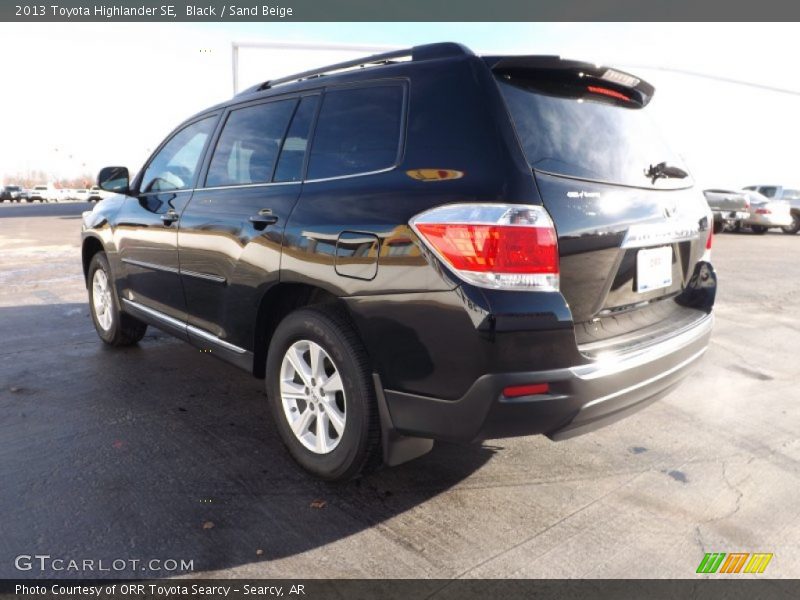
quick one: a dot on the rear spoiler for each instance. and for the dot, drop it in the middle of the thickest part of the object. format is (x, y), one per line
(571, 78)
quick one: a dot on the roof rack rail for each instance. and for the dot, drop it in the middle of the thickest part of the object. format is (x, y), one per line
(417, 53)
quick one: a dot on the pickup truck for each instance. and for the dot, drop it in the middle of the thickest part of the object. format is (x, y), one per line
(791, 195)
(730, 209)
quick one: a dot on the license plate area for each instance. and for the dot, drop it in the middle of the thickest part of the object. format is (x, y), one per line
(653, 268)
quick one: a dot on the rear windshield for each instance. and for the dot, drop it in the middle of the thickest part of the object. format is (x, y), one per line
(581, 138)
(13, 188)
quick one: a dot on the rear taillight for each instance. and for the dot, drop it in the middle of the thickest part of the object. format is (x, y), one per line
(763, 211)
(503, 246)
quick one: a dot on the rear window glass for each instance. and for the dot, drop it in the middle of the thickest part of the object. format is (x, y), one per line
(590, 140)
(358, 131)
(768, 191)
(791, 195)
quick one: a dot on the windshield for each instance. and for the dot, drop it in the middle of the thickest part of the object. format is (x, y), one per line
(598, 141)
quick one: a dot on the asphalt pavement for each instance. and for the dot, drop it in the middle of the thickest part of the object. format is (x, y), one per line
(162, 452)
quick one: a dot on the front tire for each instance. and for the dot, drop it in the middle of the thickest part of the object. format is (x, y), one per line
(321, 394)
(113, 326)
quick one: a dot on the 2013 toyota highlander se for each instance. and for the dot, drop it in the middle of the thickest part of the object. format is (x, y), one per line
(424, 244)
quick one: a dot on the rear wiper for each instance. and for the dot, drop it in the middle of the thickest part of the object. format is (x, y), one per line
(666, 171)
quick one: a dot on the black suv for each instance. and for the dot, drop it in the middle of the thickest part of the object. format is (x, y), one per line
(12, 193)
(419, 245)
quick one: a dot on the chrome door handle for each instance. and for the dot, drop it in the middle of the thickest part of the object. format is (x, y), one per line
(170, 217)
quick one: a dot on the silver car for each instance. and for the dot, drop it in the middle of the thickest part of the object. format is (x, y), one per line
(779, 192)
(766, 213)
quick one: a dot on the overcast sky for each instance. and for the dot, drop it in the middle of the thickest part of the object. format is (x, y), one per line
(79, 96)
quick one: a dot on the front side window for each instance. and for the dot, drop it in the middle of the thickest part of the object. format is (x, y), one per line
(249, 144)
(176, 164)
(358, 131)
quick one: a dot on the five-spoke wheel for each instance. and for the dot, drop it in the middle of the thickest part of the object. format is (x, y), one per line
(320, 388)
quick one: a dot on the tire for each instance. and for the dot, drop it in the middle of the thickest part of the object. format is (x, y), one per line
(759, 229)
(718, 227)
(113, 326)
(794, 227)
(339, 453)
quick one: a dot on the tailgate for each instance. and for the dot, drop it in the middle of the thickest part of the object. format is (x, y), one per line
(630, 226)
(613, 244)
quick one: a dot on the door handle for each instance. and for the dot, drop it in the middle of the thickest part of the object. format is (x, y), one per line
(169, 217)
(263, 218)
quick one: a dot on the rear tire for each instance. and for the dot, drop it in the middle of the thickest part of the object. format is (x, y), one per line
(759, 229)
(794, 227)
(113, 326)
(718, 227)
(321, 394)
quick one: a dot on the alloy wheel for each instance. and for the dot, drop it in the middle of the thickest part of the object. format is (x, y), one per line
(312, 396)
(101, 299)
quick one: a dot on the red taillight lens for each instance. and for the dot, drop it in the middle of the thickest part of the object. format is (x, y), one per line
(710, 238)
(607, 92)
(763, 211)
(494, 248)
(505, 246)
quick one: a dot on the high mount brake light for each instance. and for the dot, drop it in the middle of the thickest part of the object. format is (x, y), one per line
(607, 92)
(501, 246)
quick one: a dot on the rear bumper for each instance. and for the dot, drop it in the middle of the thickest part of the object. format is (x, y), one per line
(769, 220)
(730, 215)
(580, 398)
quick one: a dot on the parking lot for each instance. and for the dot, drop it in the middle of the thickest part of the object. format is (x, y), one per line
(162, 452)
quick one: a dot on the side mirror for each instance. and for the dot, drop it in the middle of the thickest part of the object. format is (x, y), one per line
(114, 179)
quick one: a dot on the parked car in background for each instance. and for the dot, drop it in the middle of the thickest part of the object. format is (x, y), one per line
(12, 193)
(42, 193)
(730, 209)
(779, 192)
(416, 250)
(95, 194)
(766, 213)
(82, 195)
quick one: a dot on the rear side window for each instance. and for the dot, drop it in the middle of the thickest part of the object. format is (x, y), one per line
(358, 131)
(249, 144)
(290, 163)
